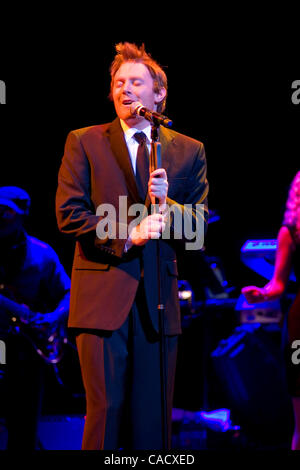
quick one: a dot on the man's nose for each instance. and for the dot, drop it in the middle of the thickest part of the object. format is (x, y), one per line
(127, 88)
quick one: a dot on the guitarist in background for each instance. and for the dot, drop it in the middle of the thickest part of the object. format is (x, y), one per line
(30, 274)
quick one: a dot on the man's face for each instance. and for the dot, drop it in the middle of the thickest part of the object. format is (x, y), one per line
(10, 221)
(133, 82)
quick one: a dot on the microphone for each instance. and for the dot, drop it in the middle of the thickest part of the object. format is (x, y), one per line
(152, 116)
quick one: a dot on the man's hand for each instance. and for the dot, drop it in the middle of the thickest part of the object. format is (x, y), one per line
(158, 186)
(150, 228)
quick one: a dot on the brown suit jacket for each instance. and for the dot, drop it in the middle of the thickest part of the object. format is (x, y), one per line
(96, 169)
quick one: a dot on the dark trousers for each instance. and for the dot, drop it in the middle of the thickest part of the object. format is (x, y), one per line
(121, 376)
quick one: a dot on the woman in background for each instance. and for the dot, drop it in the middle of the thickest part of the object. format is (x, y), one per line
(287, 256)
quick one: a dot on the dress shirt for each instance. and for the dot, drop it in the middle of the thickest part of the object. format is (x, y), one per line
(132, 144)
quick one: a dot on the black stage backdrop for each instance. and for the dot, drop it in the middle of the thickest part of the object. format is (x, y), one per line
(245, 118)
(242, 113)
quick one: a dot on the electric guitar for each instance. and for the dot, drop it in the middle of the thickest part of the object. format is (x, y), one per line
(48, 342)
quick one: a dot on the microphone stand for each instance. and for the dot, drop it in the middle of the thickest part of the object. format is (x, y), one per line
(155, 162)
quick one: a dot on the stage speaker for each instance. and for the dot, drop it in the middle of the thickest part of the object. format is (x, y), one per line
(250, 368)
(60, 432)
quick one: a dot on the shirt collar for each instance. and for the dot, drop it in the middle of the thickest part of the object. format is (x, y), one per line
(130, 131)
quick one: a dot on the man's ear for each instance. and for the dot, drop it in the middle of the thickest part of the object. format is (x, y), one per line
(160, 95)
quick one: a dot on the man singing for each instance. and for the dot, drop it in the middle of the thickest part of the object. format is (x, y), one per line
(114, 294)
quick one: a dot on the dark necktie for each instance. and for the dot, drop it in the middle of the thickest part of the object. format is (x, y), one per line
(142, 165)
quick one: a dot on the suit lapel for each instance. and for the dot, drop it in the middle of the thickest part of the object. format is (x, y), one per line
(120, 151)
(168, 147)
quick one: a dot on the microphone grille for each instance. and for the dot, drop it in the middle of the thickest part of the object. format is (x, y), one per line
(135, 106)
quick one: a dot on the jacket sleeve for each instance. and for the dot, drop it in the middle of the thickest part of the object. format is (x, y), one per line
(75, 211)
(188, 222)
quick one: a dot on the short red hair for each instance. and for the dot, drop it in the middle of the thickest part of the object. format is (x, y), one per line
(128, 52)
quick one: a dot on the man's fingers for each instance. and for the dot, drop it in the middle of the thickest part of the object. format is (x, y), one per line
(150, 228)
(156, 225)
(156, 228)
(157, 217)
(159, 173)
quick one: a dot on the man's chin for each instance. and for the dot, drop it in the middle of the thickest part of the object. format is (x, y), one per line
(133, 121)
